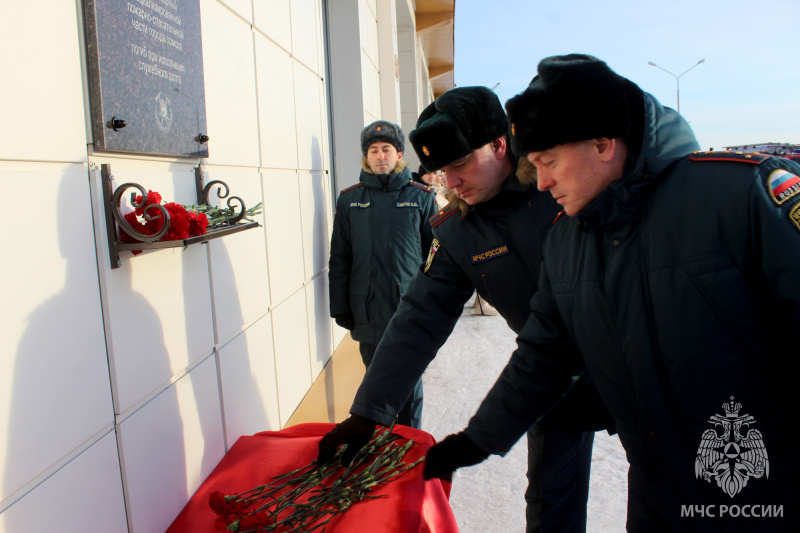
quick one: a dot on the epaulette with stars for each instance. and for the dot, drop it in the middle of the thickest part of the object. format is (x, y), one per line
(359, 184)
(426, 188)
(741, 157)
(443, 214)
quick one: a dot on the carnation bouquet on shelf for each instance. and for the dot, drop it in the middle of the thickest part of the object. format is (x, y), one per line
(184, 220)
(308, 498)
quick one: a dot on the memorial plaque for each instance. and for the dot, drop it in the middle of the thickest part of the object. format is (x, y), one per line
(146, 85)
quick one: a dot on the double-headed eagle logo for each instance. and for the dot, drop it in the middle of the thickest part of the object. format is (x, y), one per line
(727, 455)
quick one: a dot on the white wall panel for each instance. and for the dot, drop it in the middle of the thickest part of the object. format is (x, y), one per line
(170, 446)
(305, 34)
(157, 303)
(290, 330)
(315, 230)
(85, 495)
(284, 232)
(228, 66)
(370, 86)
(41, 120)
(368, 26)
(238, 261)
(309, 105)
(249, 384)
(54, 387)
(319, 323)
(338, 335)
(273, 18)
(243, 8)
(372, 5)
(276, 113)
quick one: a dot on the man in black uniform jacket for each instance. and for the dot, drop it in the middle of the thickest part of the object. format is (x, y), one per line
(489, 239)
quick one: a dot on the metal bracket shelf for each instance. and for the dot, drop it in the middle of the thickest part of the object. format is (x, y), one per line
(111, 201)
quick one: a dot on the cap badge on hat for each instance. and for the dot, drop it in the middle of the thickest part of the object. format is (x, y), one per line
(425, 150)
(512, 129)
(378, 128)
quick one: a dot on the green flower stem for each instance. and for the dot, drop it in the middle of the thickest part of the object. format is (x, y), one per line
(220, 216)
(330, 489)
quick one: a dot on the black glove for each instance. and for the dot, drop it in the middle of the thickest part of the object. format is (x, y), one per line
(345, 321)
(354, 431)
(453, 452)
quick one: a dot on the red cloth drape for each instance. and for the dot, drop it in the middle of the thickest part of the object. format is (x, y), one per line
(411, 504)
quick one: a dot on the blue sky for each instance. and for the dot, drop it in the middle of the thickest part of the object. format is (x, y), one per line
(747, 91)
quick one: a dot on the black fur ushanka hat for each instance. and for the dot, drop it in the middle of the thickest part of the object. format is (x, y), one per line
(574, 97)
(458, 122)
(382, 131)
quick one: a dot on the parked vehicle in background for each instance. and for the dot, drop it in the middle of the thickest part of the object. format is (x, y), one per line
(780, 149)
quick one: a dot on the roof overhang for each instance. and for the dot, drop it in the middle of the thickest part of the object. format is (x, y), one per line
(435, 26)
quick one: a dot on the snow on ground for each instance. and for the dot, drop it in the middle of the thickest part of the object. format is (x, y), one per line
(491, 496)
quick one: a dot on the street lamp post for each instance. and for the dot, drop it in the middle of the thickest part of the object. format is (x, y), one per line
(677, 77)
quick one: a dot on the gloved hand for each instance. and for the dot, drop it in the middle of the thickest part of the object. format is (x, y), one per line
(345, 321)
(453, 452)
(354, 431)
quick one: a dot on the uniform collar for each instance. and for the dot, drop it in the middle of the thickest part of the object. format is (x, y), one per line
(392, 182)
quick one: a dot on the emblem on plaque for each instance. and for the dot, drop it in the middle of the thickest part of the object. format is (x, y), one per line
(163, 112)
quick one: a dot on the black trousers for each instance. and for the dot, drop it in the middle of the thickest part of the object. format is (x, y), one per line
(559, 464)
(411, 413)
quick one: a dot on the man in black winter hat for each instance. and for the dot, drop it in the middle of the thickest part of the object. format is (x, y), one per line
(489, 239)
(380, 236)
(675, 278)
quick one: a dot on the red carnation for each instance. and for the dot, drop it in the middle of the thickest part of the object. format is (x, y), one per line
(179, 222)
(198, 222)
(152, 198)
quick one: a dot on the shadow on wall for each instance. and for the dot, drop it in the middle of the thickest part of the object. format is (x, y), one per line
(241, 371)
(61, 393)
(320, 246)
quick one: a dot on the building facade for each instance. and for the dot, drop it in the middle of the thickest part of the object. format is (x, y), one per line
(122, 388)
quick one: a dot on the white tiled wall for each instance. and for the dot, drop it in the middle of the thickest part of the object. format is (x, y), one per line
(85, 495)
(319, 323)
(42, 116)
(273, 17)
(54, 388)
(308, 109)
(248, 382)
(306, 34)
(284, 232)
(239, 274)
(290, 331)
(276, 105)
(169, 446)
(230, 83)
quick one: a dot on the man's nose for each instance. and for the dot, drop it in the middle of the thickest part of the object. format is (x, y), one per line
(451, 180)
(543, 182)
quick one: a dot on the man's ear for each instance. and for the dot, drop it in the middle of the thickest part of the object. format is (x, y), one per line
(606, 148)
(499, 147)
(399, 155)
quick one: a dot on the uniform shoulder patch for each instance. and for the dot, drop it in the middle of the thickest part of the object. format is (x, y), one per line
(357, 185)
(434, 248)
(782, 185)
(794, 216)
(425, 188)
(740, 157)
(445, 213)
